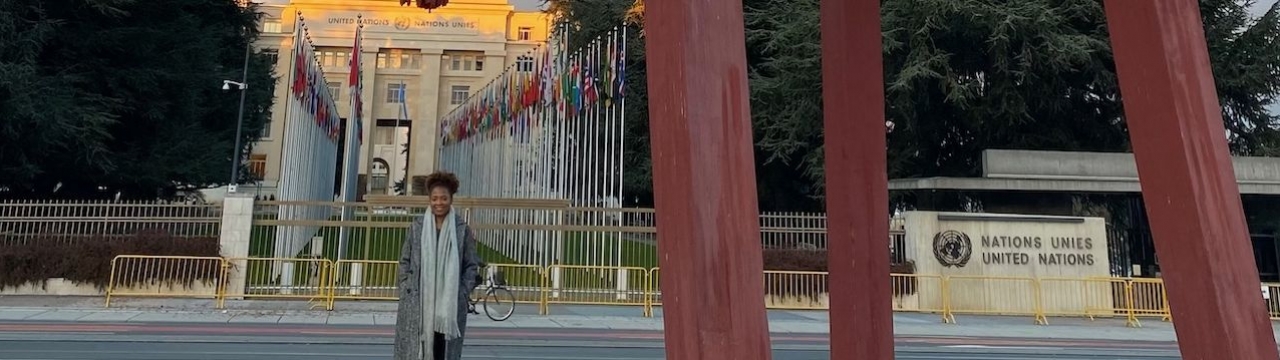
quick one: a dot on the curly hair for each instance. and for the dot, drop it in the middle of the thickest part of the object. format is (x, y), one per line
(444, 179)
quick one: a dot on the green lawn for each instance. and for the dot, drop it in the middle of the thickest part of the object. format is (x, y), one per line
(384, 243)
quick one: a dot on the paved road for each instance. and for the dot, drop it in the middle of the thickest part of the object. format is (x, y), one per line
(147, 341)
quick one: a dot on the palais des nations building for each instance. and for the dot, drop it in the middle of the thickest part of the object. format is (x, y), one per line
(437, 59)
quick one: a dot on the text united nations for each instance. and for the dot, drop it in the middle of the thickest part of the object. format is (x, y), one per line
(1013, 257)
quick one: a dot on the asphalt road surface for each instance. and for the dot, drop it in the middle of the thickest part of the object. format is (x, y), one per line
(169, 341)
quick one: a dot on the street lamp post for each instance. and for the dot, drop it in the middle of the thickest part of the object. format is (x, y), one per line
(243, 85)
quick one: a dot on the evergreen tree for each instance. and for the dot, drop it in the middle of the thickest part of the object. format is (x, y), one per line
(967, 75)
(961, 76)
(106, 96)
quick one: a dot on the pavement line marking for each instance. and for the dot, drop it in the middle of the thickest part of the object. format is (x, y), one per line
(552, 358)
(1002, 347)
(189, 353)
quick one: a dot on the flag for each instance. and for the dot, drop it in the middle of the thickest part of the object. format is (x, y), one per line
(548, 91)
(588, 76)
(353, 81)
(621, 58)
(404, 107)
(299, 61)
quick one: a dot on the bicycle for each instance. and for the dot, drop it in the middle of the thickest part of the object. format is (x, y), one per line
(499, 303)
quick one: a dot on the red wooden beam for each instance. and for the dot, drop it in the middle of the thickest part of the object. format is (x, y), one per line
(704, 181)
(856, 181)
(1188, 185)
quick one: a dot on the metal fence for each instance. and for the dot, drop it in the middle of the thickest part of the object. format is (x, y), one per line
(25, 222)
(322, 282)
(516, 231)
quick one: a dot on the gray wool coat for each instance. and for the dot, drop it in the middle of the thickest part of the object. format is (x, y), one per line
(409, 315)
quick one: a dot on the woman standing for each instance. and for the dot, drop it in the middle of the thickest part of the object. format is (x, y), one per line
(438, 268)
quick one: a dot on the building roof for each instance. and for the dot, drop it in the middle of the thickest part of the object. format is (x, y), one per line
(1085, 172)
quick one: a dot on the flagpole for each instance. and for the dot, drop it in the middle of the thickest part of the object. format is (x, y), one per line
(611, 140)
(395, 141)
(288, 141)
(351, 154)
(594, 140)
(561, 137)
(621, 78)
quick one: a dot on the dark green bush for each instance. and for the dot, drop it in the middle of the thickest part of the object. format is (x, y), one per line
(816, 260)
(87, 259)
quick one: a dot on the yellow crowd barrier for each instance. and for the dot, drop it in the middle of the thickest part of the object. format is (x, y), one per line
(1079, 297)
(285, 278)
(597, 285)
(365, 280)
(380, 280)
(321, 282)
(796, 290)
(1271, 294)
(166, 276)
(525, 282)
(653, 294)
(919, 293)
(994, 296)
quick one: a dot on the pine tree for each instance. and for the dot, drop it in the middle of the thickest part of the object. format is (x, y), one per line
(124, 95)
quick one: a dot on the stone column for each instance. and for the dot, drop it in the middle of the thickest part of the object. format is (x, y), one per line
(494, 62)
(422, 153)
(233, 240)
(369, 79)
(1189, 187)
(704, 182)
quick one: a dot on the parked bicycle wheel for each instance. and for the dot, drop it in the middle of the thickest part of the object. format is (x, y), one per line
(499, 304)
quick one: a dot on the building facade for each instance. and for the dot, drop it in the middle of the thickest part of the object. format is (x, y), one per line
(417, 66)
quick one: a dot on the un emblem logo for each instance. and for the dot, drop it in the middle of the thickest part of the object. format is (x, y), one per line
(952, 248)
(402, 23)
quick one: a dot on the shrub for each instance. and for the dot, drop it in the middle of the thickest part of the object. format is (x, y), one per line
(816, 260)
(795, 260)
(87, 259)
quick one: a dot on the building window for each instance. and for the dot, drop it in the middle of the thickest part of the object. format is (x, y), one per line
(266, 127)
(396, 93)
(378, 172)
(524, 63)
(398, 59)
(334, 58)
(466, 62)
(335, 90)
(273, 56)
(524, 33)
(458, 94)
(271, 26)
(257, 166)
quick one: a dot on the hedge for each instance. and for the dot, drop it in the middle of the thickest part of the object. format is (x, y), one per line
(87, 259)
(816, 260)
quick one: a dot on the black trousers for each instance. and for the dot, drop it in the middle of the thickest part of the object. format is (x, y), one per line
(438, 345)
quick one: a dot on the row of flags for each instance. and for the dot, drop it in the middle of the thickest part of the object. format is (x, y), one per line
(547, 79)
(309, 86)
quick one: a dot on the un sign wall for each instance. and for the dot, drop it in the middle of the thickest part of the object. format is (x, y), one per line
(993, 261)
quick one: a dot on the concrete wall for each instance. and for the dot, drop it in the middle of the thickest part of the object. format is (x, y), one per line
(992, 259)
(62, 287)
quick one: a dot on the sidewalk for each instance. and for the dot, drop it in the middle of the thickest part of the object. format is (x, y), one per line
(125, 310)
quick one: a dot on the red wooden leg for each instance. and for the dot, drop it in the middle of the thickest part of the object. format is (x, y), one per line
(1188, 185)
(704, 181)
(856, 181)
